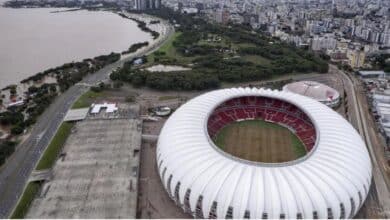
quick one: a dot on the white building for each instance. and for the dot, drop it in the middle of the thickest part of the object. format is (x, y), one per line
(109, 108)
(317, 91)
(323, 43)
(331, 181)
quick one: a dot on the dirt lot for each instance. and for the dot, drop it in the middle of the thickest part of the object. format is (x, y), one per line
(153, 200)
(259, 141)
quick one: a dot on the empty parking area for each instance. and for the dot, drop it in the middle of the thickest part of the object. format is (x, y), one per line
(96, 174)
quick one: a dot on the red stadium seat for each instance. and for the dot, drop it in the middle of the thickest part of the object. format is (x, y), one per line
(272, 110)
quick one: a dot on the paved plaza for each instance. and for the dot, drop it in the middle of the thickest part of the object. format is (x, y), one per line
(97, 173)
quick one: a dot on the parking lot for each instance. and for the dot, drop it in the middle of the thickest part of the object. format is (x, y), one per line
(96, 175)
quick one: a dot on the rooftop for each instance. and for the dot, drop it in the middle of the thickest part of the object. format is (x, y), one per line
(110, 108)
(315, 90)
(76, 114)
(367, 73)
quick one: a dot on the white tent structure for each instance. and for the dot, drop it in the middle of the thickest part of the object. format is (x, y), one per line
(110, 108)
(315, 90)
(331, 181)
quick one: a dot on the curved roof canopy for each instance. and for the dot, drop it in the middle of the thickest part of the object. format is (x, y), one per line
(330, 181)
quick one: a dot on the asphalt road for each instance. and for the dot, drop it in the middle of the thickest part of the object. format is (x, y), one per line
(379, 166)
(15, 173)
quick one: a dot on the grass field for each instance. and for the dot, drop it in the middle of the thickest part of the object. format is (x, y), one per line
(260, 141)
(168, 47)
(25, 201)
(50, 155)
(167, 97)
(170, 54)
(258, 60)
(86, 99)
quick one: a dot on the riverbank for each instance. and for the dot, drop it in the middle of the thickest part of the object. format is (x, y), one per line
(46, 77)
(67, 10)
(142, 25)
(23, 103)
(33, 44)
(15, 173)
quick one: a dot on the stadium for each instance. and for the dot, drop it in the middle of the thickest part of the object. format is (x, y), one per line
(315, 90)
(256, 153)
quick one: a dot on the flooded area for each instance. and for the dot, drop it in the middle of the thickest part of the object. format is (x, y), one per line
(35, 39)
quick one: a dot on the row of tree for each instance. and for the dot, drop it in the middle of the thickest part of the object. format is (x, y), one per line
(75, 72)
(180, 80)
(133, 48)
(18, 118)
(213, 63)
(382, 61)
(185, 80)
(38, 98)
(142, 25)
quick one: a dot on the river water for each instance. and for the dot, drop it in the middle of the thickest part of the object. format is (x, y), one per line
(33, 40)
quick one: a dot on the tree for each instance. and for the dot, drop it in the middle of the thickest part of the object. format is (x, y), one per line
(53, 88)
(387, 69)
(32, 89)
(118, 84)
(17, 129)
(11, 118)
(130, 98)
(96, 89)
(13, 90)
(6, 149)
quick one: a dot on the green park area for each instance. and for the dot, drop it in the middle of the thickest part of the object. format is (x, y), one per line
(167, 97)
(86, 99)
(168, 49)
(217, 54)
(167, 54)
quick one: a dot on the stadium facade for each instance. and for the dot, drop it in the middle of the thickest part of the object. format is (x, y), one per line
(315, 90)
(331, 181)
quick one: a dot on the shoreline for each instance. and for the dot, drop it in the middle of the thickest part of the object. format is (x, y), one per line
(33, 95)
(141, 25)
(67, 10)
(15, 172)
(139, 18)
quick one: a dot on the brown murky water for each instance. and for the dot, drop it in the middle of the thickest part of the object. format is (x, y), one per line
(33, 40)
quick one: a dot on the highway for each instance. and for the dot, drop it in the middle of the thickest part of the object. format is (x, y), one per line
(15, 173)
(367, 132)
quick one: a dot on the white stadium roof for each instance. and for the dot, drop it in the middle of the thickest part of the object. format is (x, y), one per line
(333, 178)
